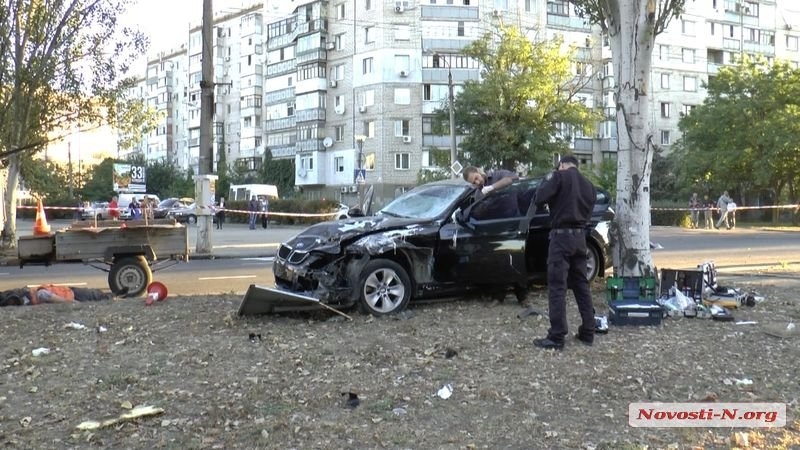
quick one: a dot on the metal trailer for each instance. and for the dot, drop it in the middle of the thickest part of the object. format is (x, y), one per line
(129, 251)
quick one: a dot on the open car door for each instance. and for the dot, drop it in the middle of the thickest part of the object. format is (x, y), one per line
(489, 244)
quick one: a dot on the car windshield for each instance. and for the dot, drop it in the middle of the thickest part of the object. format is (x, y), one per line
(424, 202)
(167, 203)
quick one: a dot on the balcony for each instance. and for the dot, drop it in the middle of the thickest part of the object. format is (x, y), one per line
(283, 152)
(280, 124)
(311, 115)
(281, 68)
(310, 56)
(571, 22)
(309, 145)
(445, 12)
(279, 96)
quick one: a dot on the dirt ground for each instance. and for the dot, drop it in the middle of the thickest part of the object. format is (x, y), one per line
(282, 388)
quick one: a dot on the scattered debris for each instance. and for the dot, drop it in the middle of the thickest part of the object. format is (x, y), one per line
(529, 311)
(141, 411)
(400, 411)
(101, 329)
(352, 400)
(255, 337)
(746, 322)
(40, 351)
(75, 326)
(445, 392)
(450, 353)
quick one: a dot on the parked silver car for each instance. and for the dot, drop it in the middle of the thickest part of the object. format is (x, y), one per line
(96, 209)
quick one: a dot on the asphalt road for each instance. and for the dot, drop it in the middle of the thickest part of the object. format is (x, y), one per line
(246, 258)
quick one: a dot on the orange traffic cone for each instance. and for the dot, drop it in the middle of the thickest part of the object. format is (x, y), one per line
(40, 226)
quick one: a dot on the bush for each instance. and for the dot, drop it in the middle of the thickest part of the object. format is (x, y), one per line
(669, 216)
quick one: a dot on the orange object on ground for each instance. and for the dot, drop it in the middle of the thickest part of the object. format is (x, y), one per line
(40, 226)
(63, 292)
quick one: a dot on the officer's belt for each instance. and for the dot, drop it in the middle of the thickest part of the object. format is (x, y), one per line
(568, 230)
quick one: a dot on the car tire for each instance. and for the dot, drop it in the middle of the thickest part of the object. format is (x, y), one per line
(592, 262)
(384, 288)
(191, 220)
(130, 274)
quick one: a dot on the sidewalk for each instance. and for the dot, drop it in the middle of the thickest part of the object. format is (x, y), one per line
(234, 240)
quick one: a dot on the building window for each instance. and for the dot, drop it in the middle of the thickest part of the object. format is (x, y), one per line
(340, 11)
(687, 27)
(368, 97)
(307, 162)
(368, 38)
(664, 81)
(338, 164)
(460, 30)
(366, 65)
(369, 161)
(402, 127)
(664, 137)
(791, 43)
(688, 55)
(665, 110)
(338, 101)
(402, 161)
(338, 132)
(337, 41)
(687, 109)
(402, 63)
(558, 7)
(367, 4)
(689, 84)
(663, 52)
(402, 96)
(369, 129)
(528, 5)
(248, 122)
(337, 72)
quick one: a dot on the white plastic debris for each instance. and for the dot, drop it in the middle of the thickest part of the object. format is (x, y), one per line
(101, 329)
(744, 382)
(75, 326)
(790, 327)
(445, 392)
(40, 351)
(746, 322)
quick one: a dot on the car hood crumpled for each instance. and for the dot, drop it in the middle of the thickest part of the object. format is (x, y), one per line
(328, 236)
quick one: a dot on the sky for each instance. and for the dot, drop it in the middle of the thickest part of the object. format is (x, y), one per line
(167, 22)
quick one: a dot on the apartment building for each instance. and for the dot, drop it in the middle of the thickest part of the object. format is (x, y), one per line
(343, 85)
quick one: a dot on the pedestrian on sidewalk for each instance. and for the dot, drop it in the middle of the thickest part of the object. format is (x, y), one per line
(253, 207)
(220, 213)
(722, 204)
(265, 213)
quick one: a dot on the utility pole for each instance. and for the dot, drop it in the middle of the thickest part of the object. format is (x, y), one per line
(204, 179)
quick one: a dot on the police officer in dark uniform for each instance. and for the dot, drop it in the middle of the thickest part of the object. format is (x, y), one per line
(570, 197)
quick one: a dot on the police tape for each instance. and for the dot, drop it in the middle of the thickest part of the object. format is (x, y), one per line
(211, 209)
(738, 208)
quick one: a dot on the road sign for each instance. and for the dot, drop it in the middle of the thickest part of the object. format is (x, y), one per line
(360, 176)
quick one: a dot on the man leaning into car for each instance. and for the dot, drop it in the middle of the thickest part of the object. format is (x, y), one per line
(492, 181)
(570, 197)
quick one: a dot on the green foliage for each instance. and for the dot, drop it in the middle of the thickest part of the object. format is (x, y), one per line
(45, 178)
(748, 125)
(223, 184)
(290, 205)
(604, 175)
(664, 179)
(279, 172)
(440, 159)
(512, 115)
(133, 119)
(99, 182)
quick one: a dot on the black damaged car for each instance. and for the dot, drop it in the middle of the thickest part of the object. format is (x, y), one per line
(438, 240)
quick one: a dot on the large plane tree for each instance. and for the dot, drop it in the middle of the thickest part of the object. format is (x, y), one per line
(632, 27)
(61, 62)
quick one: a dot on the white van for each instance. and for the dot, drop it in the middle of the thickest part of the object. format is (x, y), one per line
(245, 191)
(124, 201)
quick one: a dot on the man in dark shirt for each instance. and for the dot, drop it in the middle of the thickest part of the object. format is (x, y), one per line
(488, 182)
(570, 197)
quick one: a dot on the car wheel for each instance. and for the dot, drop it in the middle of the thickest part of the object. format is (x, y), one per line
(592, 262)
(385, 287)
(191, 220)
(130, 274)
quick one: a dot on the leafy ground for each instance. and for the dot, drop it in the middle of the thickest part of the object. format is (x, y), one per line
(192, 357)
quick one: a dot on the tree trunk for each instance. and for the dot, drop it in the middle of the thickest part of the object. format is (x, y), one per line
(632, 46)
(10, 225)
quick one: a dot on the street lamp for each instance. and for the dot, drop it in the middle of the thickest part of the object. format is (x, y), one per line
(450, 101)
(360, 138)
(740, 6)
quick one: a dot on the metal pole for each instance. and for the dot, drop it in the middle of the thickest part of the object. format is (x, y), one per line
(451, 100)
(360, 143)
(740, 6)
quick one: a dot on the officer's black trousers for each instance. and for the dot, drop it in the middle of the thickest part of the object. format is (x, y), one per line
(566, 268)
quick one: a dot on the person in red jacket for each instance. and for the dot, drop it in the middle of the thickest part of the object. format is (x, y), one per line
(113, 208)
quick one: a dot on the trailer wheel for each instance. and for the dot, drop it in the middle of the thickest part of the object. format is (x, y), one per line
(130, 274)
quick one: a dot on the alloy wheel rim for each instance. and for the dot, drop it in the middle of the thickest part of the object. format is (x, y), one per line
(383, 290)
